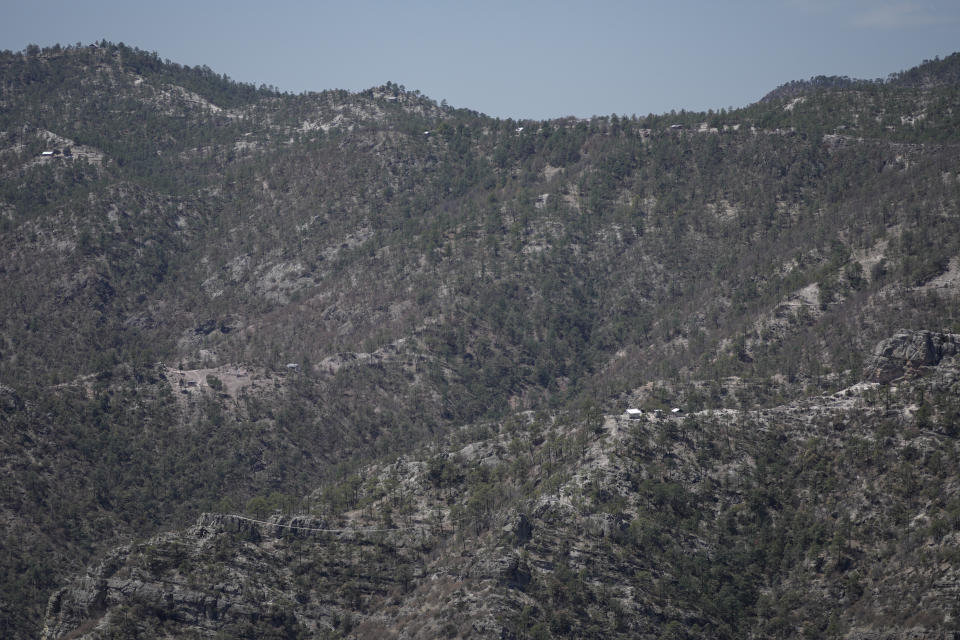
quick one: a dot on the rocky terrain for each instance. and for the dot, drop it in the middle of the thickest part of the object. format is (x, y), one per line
(835, 515)
(355, 364)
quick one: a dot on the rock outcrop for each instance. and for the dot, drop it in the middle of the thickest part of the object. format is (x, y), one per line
(909, 351)
(125, 586)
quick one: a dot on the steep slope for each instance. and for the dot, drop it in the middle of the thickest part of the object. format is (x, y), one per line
(917, 105)
(833, 516)
(293, 286)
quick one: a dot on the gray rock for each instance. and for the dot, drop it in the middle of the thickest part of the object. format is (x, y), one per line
(502, 565)
(520, 528)
(909, 351)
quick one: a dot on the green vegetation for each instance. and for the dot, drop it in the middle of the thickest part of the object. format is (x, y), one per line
(425, 268)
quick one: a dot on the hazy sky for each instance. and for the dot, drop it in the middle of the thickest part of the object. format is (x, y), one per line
(535, 59)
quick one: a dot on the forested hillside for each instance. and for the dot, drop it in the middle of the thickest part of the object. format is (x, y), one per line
(218, 297)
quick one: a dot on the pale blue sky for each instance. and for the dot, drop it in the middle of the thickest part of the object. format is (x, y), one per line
(535, 59)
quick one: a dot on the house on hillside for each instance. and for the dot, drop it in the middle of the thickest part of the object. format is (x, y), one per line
(634, 414)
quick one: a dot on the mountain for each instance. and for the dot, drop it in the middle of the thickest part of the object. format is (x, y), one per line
(932, 74)
(219, 297)
(831, 516)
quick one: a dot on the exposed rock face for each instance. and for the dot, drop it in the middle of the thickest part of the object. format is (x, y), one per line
(520, 529)
(501, 565)
(909, 351)
(222, 576)
(86, 601)
(120, 580)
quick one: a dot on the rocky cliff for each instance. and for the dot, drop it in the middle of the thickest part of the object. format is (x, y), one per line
(911, 352)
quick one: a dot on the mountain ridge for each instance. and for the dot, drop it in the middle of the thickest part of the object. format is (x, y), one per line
(427, 272)
(929, 74)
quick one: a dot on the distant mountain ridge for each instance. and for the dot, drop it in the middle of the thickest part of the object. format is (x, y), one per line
(930, 74)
